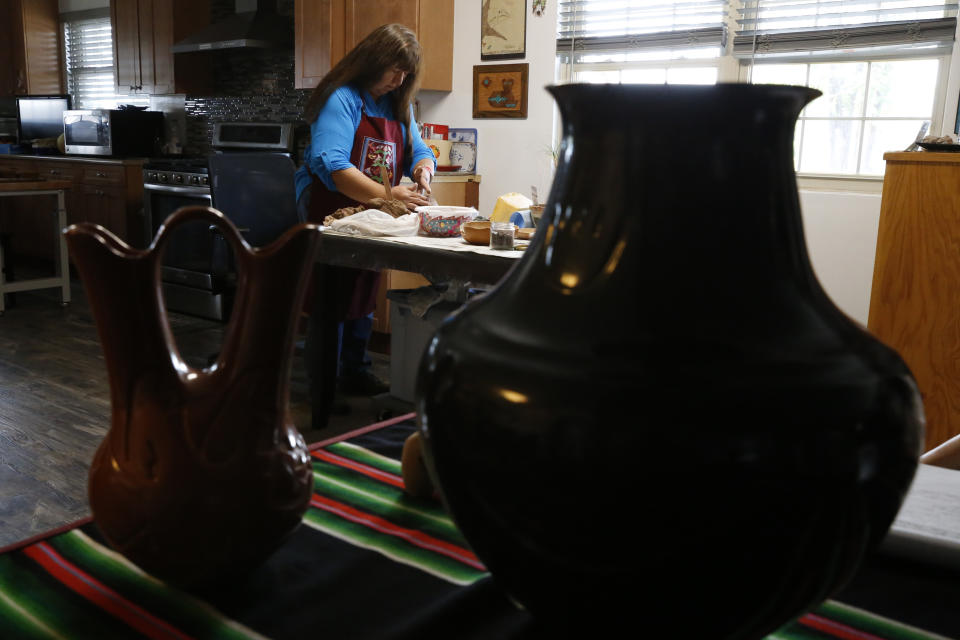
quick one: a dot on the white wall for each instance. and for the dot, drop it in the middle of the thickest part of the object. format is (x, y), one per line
(841, 232)
(512, 154)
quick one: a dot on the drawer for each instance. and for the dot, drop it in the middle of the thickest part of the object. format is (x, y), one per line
(17, 167)
(101, 191)
(103, 174)
(57, 170)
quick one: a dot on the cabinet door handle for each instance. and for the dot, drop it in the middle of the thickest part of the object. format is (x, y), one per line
(101, 174)
(99, 192)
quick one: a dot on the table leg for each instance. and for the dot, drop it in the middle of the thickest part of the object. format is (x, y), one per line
(63, 264)
(321, 351)
(3, 280)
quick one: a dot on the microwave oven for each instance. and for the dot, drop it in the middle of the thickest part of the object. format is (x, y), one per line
(112, 132)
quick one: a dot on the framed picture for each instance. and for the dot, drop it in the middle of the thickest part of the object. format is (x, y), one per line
(500, 90)
(503, 29)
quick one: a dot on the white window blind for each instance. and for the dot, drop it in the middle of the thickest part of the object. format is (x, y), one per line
(597, 26)
(783, 27)
(88, 52)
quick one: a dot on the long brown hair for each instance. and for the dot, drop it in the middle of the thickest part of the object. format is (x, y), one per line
(388, 46)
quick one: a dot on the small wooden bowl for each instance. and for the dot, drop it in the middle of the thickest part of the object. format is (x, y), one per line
(476, 232)
(526, 233)
(416, 479)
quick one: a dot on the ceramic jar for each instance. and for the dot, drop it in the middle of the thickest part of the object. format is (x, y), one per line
(659, 415)
(202, 473)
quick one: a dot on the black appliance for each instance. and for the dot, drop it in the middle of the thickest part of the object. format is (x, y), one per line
(254, 167)
(40, 117)
(112, 132)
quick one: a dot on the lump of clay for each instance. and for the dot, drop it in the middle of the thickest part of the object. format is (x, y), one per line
(947, 139)
(396, 208)
(342, 212)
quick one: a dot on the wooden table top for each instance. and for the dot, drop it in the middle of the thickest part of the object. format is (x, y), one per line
(20, 184)
(939, 157)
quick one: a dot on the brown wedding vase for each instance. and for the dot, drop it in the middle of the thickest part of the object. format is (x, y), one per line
(202, 474)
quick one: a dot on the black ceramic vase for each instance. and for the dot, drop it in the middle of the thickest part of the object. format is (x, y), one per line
(659, 418)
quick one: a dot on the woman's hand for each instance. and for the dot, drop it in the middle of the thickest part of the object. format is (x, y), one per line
(423, 174)
(410, 196)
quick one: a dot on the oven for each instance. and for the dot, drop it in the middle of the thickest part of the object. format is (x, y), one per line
(196, 270)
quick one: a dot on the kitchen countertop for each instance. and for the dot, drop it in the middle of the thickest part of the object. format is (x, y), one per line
(70, 158)
(449, 176)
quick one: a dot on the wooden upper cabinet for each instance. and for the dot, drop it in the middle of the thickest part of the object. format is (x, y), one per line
(30, 51)
(142, 37)
(363, 16)
(143, 32)
(318, 27)
(435, 32)
(327, 29)
(156, 38)
(125, 20)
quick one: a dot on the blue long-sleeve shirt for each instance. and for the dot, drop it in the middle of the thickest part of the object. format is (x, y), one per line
(332, 134)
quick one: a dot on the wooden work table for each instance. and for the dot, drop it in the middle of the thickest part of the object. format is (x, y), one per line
(37, 187)
(915, 301)
(452, 188)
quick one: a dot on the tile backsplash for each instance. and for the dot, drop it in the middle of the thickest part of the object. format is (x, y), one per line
(250, 85)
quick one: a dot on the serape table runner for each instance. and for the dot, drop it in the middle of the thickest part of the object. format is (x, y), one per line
(367, 562)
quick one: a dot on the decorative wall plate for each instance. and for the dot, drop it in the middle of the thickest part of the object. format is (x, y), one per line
(465, 155)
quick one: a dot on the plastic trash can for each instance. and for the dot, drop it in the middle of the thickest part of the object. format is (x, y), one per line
(409, 336)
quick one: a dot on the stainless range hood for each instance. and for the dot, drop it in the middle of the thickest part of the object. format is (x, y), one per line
(262, 28)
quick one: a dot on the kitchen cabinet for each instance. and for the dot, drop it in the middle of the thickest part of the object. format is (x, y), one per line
(914, 306)
(327, 29)
(105, 192)
(143, 32)
(30, 49)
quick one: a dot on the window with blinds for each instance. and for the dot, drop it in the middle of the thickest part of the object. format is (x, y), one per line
(88, 54)
(784, 27)
(640, 41)
(882, 65)
(634, 28)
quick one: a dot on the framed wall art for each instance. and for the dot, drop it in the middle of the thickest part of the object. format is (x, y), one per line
(503, 29)
(500, 90)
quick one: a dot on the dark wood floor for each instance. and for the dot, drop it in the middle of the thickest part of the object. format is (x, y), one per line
(55, 409)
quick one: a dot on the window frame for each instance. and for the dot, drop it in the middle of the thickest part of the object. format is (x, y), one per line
(936, 117)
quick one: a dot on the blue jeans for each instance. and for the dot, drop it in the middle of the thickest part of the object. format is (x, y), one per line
(333, 348)
(353, 336)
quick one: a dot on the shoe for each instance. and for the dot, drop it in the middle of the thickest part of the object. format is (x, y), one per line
(362, 384)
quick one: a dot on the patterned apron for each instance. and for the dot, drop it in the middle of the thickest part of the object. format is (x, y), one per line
(377, 143)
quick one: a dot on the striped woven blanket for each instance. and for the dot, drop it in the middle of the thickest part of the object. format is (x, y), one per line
(368, 562)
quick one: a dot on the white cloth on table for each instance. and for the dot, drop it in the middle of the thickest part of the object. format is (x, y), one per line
(373, 222)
